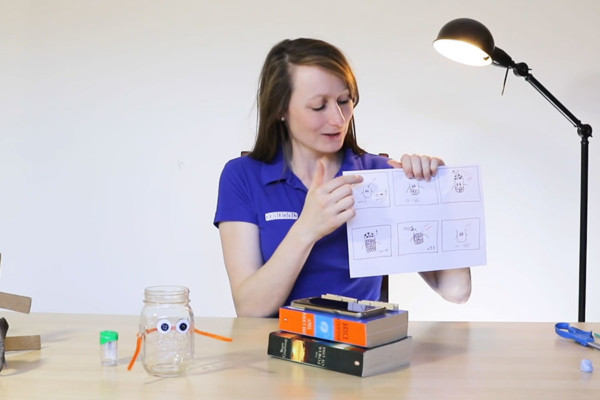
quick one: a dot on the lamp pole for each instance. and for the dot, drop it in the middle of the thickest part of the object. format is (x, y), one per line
(585, 132)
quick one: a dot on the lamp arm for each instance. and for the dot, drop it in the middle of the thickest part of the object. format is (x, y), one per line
(585, 132)
(521, 69)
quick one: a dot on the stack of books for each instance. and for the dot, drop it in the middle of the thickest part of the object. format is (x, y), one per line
(357, 346)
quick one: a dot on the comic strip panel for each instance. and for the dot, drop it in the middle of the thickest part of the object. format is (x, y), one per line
(417, 237)
(371, 242)
(411, 192)
(373, 191)
(461, 234)
(459, 184)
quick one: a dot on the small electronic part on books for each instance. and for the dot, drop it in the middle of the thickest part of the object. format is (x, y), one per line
(388, 306)
(340, 307)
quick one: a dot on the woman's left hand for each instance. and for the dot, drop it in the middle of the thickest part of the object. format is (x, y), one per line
(418, 166)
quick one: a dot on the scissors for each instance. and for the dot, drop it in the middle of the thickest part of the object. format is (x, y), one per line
(584, 338)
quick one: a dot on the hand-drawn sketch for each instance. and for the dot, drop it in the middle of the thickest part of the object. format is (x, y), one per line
(459, 184)
(411, 191)
(371, 242)
(410, 225)
(417, 237)
(374, 191)
(460, 234)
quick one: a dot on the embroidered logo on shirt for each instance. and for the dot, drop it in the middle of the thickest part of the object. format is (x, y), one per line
(272, 216)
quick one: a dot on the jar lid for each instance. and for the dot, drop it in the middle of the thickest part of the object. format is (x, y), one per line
(108, 336)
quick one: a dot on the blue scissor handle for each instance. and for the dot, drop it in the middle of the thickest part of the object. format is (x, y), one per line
(564, 329)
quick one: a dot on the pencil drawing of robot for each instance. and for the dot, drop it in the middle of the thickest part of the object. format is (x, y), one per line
(367, 191)
(459, 182)
(417, 236)
(414, 188)
(370, 242)
(461, 236)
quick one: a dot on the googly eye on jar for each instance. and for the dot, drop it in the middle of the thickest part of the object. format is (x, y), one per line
(167, 329)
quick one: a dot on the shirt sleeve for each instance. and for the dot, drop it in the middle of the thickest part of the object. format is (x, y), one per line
(234, 202)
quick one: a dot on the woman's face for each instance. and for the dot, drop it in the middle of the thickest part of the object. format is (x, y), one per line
(319, 112)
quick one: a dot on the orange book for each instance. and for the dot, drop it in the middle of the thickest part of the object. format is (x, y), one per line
(364, 332)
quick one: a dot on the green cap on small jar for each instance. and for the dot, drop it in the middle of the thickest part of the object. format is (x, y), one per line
(108, 336)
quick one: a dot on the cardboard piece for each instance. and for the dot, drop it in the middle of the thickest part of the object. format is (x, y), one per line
(21, 304)
(17, 343)
(15, 302)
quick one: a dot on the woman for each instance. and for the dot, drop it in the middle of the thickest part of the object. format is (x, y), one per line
(282, 210)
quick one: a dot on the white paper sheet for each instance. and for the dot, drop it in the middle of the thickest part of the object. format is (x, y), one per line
(405, 225)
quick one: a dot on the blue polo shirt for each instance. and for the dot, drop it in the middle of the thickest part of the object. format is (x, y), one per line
(271, 196)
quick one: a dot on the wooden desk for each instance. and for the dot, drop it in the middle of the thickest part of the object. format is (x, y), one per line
(452, 360)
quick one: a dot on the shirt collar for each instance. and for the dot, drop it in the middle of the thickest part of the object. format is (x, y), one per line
(278, 170)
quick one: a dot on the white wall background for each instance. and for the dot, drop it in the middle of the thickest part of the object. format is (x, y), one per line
(117, 116)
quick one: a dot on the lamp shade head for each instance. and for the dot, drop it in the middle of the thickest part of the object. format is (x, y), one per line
(466, 41)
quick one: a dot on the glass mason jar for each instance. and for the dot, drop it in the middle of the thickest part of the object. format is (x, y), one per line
(167, 330)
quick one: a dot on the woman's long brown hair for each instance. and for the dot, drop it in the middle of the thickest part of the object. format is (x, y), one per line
(275, 89)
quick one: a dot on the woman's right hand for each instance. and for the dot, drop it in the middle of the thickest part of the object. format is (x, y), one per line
(328, 205)
(260, 289)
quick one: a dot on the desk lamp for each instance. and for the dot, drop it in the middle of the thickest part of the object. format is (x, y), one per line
(469, 42)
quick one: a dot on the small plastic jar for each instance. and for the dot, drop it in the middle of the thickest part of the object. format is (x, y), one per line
(167, 330)
(109, 342)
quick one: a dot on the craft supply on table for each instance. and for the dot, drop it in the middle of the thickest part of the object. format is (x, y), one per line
(586, 365)
(109, 347)
(584, 338)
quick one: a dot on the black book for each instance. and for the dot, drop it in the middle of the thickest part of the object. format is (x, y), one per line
(340, 357)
